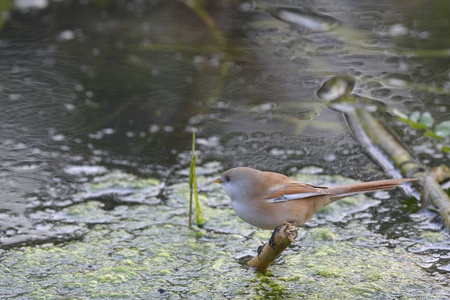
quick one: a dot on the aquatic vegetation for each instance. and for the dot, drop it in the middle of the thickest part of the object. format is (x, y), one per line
(193, 189)
(147, 251)
(425, 121)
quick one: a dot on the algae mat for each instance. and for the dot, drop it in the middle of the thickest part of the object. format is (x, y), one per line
(141, 248)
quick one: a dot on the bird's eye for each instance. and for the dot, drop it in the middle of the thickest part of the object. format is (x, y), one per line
(227, 178)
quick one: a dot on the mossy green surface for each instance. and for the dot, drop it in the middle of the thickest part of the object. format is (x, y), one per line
(433, 236)
(148, 252)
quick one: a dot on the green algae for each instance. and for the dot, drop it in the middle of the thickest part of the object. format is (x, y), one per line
(431, 236)
(322, 234)
(148, 252)
(119, 179)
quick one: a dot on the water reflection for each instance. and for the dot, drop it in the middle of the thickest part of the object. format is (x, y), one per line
(122, 87)
(309, 21)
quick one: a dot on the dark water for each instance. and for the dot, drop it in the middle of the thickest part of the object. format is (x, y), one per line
(87, 85)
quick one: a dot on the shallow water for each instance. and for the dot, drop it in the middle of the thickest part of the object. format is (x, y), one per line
(93, 89)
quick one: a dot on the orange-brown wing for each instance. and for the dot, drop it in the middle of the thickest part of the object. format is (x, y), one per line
(295, 191)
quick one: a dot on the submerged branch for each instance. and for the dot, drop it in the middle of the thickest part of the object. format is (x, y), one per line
(280, 240)
(403, 160)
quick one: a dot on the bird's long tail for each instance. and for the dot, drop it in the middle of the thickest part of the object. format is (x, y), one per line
(339, 192)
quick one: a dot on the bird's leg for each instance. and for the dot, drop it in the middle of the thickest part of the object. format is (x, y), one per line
(260, 248)
(271, 241)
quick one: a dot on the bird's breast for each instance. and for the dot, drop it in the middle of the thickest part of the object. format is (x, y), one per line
(259, 213)
(268, 215)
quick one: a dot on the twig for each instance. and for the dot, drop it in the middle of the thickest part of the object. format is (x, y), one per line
(281, 238)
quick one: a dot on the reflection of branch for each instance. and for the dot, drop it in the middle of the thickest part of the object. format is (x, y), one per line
(182, 48)
(280, 240)
(198, 7)
(403, 160)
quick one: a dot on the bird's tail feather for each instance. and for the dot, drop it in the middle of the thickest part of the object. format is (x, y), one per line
(365, 187)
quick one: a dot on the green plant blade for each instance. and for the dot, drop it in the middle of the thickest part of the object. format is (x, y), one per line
(193, 190)
(198, 212)
(432, 134)
(191, 181)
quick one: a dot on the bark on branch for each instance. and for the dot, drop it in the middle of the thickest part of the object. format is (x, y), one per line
(281, 238)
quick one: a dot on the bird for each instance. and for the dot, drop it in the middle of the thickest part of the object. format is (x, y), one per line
(267, 199)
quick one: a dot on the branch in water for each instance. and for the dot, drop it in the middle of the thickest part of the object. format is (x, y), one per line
(281, 238)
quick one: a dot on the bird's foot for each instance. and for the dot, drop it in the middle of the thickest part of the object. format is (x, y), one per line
(260, 248)
(271, 240)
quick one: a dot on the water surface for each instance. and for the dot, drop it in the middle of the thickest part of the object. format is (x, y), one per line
(90, 88)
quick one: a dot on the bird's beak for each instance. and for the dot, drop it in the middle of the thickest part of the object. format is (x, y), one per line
(218, 180)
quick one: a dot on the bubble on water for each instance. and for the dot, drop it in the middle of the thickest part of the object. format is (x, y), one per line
(168, 128)
(85, 170)
(26, 166)
(108, 131)
(96, 52)
(69, 106)
(313, 22)
(263, 107)
(276, 151)
(97, 136)
(382, 195)
(247, 6)
(26, 5)
(398, 30)
(396, 82)
(198, 59)
(330, 157)
(154, 128)
(58, 137)
(311, 170)
(212, 141)
(14, 97)
(66, 35)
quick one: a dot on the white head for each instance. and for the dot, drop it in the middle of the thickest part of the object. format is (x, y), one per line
(239, 183)
(246, 188)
